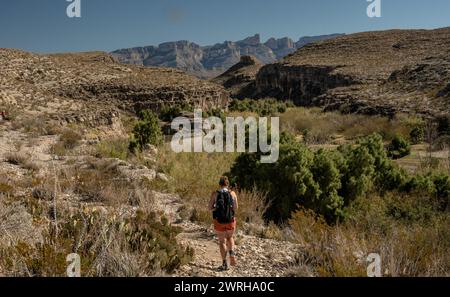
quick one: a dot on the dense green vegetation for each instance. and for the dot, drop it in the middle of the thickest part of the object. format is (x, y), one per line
(399, 148)
(329, 181)
(146, 131)
(263, 107)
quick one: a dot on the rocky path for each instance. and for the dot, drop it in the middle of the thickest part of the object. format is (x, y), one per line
(255, 256)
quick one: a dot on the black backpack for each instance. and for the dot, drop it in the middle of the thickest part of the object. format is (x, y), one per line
(224, 212)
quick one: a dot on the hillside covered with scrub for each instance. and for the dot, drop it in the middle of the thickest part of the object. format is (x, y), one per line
(342, 191)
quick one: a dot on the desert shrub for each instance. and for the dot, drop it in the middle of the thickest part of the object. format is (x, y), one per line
(70, 138)
(358, 169)
(407, 233)
(399, 148)
(22, 160)
(114, 148)
(58, 149)
(100, 181)
(272, 231)
(387, 176)
(94, 180)
(16, 224)
(252, 207)
(327, 176)
(146, 131)
(351, 126)
(442, 188)
(263, 107)
(202, 216)
(150, 236)
(16, 158)
(108, 245)
(10, 110)
(417, 135)
(170, 112)
(5, 188)
(436, 185)
(189, 181)
(37, 126)
(313, 137)
(215, 112)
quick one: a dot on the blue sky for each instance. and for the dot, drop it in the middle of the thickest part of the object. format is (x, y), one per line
(42, 25)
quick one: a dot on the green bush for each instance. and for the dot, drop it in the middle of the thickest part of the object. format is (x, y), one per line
(263, 107)
(302, 177)
(399, 148)
(357, 171)
(146, 131)
(328, 182)
(326, 174)
(442, 186)
(417, 135)
(169, 112)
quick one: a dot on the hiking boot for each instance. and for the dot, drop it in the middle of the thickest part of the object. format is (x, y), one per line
(224, 266)
(232, 258)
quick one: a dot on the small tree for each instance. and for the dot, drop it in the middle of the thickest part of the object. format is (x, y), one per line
(417, 135)
(399, 148)
(146, 131)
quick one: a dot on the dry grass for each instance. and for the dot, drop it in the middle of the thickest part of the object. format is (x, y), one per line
(422, 160)
(100, 181)
(112, 148)
(195, 176)
(406, 248)
(16, 224)
(322, 127)
(252, 207)
(69, 139)
(106, 243)
(36, 126)
(22, 160)
(116, 233)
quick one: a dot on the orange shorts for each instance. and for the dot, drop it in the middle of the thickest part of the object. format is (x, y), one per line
(224, 227)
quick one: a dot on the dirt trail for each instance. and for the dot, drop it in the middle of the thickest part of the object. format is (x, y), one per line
(255, 256)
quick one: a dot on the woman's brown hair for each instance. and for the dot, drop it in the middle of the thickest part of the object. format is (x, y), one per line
(224, 182)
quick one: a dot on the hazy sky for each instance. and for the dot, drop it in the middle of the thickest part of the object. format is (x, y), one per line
(43, 26)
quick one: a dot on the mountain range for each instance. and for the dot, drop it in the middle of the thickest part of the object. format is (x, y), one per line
(210, 61)
(378, 72)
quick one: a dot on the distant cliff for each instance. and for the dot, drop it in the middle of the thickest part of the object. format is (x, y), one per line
(211, 61)
(381, 72)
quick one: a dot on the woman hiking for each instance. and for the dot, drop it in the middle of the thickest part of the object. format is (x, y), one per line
(224, 204)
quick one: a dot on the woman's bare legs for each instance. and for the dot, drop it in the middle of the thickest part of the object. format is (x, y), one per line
(231, 246)
(222, 236)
